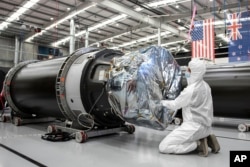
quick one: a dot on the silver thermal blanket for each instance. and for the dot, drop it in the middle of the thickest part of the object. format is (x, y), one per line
(138, 81)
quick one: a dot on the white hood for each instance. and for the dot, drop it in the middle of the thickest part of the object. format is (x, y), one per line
(198, 69)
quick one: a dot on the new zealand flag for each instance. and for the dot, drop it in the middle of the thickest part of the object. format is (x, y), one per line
(238, 25)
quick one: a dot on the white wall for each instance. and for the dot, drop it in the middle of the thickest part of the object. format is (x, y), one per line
(7, 47)
(29, 51)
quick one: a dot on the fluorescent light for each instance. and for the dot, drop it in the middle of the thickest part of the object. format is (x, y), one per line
(171, 43)
(138, 9)
(184, 49)
(95, 27)
(121, 17)
(223, 37)
(74, 13)
(161, 3)
(110, 21)
(69, 17)
(140, 40)
(61, 41)
(18, 13)
(111, 38)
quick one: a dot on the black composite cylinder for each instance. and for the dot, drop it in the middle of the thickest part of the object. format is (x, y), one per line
(2, 75)
(33, 88)
(70, 87)
(230, 90)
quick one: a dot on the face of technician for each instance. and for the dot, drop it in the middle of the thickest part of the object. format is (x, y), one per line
(188, 73)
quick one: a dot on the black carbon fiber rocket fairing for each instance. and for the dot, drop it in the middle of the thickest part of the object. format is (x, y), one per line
(70, 87)
(230, 86)
(33, 88)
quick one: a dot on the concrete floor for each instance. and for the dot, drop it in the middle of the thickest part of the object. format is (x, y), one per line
(23, 147)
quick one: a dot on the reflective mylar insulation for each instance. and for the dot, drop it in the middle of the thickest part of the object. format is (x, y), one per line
(156, 76)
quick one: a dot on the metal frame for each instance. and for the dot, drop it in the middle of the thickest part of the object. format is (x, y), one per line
(152, 16)
(81, 135)
(60, 82)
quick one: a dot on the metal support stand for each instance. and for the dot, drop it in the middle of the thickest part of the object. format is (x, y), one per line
(178, 121)
(82, 136)
(245, 127)
(18, 121)
(5, 115)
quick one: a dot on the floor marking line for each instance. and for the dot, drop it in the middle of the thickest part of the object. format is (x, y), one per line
(22, 155)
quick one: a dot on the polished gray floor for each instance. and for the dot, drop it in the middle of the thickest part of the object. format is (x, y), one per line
(118, 150)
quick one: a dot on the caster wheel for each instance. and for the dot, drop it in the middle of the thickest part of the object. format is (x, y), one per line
(133, 128)
(242, 127)
(177, 121)
(130, 129)
(81, 137)
(17, 121)
(4, 119)
(51, 129)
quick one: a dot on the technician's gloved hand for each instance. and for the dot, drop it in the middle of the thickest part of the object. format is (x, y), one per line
(131, 86)
(163, 102)
(167, 103)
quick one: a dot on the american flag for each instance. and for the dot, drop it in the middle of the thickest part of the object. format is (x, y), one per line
(203, 39)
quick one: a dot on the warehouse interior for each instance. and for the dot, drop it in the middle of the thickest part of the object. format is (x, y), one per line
(43, 44)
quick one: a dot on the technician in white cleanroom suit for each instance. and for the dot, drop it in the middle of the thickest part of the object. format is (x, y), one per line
(197, 111)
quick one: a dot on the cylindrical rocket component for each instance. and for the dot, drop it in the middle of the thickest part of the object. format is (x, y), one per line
(32, 88)
(230, 87)
(68, 87)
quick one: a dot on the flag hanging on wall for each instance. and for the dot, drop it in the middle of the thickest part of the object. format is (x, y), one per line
(203, 39)
(238, 26)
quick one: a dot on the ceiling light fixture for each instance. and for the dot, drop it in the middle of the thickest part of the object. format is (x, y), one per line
(162, 3)
(74, 13)
(184, 49)
(18, 13)
(223, 37)
(145, 39)
(93, 28)
(120, 17)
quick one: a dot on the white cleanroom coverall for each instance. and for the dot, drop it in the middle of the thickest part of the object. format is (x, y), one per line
(197, 112)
